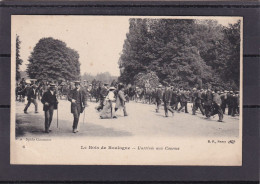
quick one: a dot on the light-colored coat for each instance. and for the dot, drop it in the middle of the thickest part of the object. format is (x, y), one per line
(120, 100)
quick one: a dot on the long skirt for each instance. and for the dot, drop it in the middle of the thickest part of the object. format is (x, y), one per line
(108, 110)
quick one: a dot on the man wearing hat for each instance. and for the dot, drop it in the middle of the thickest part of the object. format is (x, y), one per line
(50, 102)
(78, 103)
(158, 97)
(120, 99)
(223, 97)
(184, 97)
(208, 102)
(233, 104)
(31, 97)
(167, 96)
(197, 102)
(102, 95)
(216, 102)
(229, 101)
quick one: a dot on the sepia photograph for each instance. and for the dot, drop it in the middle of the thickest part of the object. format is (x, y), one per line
(126, 90)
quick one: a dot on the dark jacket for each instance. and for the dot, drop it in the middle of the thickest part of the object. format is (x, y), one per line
(184, 97)
(167, 95)
(209, 98)
(174, 97)
(50, 99)
(120, 99)
(31, 94)
(103, 92)
(80, 97)
(198, 97)
(159, 94)
(223, 98)
(203, 97)
(193, 96)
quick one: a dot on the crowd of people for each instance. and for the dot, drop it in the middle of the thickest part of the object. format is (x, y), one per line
(208, 101)
(111, 97)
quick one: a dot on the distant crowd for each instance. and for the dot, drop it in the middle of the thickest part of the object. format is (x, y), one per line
(113, 96)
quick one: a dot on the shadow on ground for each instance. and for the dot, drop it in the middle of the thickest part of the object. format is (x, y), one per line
(24, 129)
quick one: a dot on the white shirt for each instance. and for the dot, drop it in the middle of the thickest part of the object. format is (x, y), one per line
(111, 96)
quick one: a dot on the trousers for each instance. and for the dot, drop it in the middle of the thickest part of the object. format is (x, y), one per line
(197, 105)
(76, 116)
(167, 108)
(34, 101)
(48, 117)
(158, 103)
(217, 110)
(183, 104)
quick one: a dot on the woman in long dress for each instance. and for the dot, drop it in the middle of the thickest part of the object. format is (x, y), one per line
(108, 110)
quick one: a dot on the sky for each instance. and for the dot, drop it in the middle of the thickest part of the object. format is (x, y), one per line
(98, 39)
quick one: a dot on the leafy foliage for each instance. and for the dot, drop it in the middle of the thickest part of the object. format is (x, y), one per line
(149, 79)
(18, 60)
(52, 60)
(182, 52)
(105, 77)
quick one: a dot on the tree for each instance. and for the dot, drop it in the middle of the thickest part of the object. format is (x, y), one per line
(184, 53)
(232, 34)
(52, 60)
(18, 60)
(104, 77)
(163, 46)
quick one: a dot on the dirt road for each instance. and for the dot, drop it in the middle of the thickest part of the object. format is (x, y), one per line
(142, 120)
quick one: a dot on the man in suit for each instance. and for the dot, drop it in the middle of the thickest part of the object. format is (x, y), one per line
(208, 102)
(233, 103)
(197, 102)
(184, 100)
(31, 97)
(102, 95)
(77, 98)
(229, 101)
(50, 102)
(120, 99)
(167, 96)
(158, 97)
(178, 99)
(223, 97)
(174, 98)
(217, 106)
